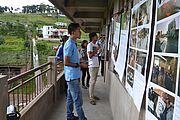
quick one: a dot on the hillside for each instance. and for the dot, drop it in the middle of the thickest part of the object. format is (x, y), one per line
(15, 47)
(39, 19)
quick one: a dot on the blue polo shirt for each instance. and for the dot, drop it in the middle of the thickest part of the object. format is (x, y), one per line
(71, 50)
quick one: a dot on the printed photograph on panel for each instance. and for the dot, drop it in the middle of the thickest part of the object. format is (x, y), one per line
(140, 62)
(167, 35)
(133, 38)
(132, 57)
(142, 40)
(166, 8)
(160, 104)
(130, 76)
(164, 72)
(127, 18)
(134, 18)
(144, 13)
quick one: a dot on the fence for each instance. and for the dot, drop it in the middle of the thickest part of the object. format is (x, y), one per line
(23, 88)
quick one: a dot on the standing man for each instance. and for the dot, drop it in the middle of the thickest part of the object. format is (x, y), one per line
(59, 53)
(101, 44)
(92, 50)
(72, 74)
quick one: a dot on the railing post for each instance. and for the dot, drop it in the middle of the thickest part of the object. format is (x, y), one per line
(3, 96)
(53, 75)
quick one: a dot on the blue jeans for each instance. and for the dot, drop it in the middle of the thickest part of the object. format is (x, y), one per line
(74, 95)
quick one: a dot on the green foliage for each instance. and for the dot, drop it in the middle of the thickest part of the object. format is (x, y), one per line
(45, 49)
(1, 40)
(15, 29)
(27, 44)
(13, 58)
(32, 19)
(12, 44)
(42, 47)
(12, 51)
(84, 36)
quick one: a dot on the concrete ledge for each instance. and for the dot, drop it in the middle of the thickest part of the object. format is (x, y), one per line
(40, 106)
(3, 96)
(59, 76)
(60, 85)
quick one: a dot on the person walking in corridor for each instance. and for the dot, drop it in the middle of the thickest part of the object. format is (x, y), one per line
(72, 74)
(93, 62)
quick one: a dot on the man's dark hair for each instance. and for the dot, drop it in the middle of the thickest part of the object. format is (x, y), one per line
(91, 35)
(83, 42)
(72, 27)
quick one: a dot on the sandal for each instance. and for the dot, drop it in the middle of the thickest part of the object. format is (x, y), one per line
(84, 87)
(96, 98)
(93, 102)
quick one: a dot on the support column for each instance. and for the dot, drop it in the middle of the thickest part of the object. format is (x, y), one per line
(3, 96)
(52, 76)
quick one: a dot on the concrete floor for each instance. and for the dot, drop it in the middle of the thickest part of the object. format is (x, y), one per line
(100, 111)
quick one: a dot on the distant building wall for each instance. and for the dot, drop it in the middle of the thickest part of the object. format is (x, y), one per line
(47, 31)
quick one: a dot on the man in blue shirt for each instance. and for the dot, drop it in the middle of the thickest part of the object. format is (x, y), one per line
(59, 53)
(72, 73)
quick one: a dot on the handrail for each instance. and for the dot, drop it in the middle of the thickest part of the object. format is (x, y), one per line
(11, 90)
(22, 90)
(13, 79)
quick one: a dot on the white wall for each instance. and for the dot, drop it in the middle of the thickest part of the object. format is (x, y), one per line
(47, 31)
(122, 105)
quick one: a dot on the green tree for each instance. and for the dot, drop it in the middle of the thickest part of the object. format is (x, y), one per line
(42, 48)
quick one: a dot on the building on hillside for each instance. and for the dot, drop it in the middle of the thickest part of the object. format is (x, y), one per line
(50, 32)
(47, 31)
(61, 24)
(58, 33)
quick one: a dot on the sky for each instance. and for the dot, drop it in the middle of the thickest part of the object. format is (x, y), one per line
(20, 3)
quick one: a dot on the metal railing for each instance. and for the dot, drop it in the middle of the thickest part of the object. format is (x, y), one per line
(60, 67)
(23, 88)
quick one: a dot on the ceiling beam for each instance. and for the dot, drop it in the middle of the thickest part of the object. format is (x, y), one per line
(85, 3)
(89, 29)
(88, 15)
(91, 24)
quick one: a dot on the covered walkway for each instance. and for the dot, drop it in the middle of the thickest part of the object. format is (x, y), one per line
(100, 111)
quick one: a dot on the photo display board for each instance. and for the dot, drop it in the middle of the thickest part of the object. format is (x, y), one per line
(163, 89)
(139, 40)
(122, 49)
(116, 31)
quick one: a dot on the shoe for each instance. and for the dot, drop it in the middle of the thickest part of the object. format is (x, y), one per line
(73, 118)
(87, 86)
(96, 98)
(92, 101)
(84, 87)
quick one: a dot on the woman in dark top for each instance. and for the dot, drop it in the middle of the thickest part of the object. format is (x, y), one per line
(84, 58)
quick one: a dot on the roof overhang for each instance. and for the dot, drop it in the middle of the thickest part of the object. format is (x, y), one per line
(90, 14)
